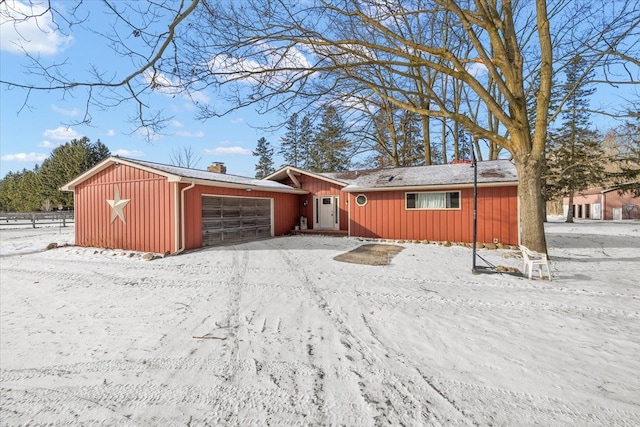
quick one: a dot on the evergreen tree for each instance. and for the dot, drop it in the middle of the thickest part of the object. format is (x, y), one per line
(29, 190)
(330, 143)
(65, 163)
(306, 141)
(411, 147)
(627, 157)
(290, 148)
(264, 153)
(575, 158)
(19, 192)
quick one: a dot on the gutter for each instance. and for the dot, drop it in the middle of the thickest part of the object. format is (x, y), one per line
(182, 221)
(428, 187)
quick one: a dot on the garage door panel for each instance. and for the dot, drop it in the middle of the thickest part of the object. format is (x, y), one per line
(230, 220)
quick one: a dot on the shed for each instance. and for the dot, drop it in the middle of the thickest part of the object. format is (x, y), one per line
(144, 206)
(604, 204)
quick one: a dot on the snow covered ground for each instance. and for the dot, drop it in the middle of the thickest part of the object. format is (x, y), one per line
(276, 332)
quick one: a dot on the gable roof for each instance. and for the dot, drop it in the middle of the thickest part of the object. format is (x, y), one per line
(180, 174)
(291, 172)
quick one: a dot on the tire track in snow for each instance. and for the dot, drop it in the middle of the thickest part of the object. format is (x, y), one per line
(542, 409)
(394, 386)
(412, 295)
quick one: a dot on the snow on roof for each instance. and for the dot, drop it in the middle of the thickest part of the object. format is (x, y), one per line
(211, 176)
(494, 171)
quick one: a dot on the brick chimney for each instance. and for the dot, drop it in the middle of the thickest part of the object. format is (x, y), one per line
(217, 167)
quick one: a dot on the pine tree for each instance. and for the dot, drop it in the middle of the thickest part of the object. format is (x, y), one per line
(306, 141)
(28, 190)
(411, 148)
(330, 143)
(626, 176)
(290, 148)
(65, 163)
(264, 153)
(575, 156)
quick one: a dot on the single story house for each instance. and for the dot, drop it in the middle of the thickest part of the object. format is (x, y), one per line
(137, 205)
(604, 204)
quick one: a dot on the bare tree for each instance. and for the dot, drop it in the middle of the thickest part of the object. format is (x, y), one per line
(185, 157)
(271, 53)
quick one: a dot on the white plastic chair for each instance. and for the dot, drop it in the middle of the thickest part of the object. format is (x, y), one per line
(532, 258)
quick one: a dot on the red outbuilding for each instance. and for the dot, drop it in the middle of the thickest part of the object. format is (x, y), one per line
(144, 206)
(605, 204)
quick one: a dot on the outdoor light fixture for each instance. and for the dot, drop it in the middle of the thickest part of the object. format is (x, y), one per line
(248, 189)
(304, 203)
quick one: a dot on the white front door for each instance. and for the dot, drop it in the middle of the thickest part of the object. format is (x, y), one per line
(326, 208)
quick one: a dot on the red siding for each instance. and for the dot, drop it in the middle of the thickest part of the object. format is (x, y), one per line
(149, 214)
(611, 200)
(385, 216)
(318, 187)
(614, 200)
(285, 210)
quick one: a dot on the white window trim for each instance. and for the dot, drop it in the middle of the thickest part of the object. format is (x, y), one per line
(366, 200)
(432, 209)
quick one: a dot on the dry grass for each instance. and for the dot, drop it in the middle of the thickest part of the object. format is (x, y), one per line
(372, 254)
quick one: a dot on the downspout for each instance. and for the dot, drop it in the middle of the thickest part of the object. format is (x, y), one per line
(176, 214)
(182, 221)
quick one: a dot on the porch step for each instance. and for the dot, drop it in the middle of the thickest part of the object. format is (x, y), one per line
(337, 233)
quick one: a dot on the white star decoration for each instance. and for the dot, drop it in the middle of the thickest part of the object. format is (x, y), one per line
(117, 206)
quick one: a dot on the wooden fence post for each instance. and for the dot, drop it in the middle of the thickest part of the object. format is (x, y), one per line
(33, 219)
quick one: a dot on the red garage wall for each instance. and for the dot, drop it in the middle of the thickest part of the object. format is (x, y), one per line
(385, 216)
(149, 220)
(286, 213)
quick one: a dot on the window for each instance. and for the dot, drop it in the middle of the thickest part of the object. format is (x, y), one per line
(361, 200)
(444, 200)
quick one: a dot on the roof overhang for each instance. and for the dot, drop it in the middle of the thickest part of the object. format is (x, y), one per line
(117, 161)
(114, 161)
(247, 187)
(349, 189)
(287, 172)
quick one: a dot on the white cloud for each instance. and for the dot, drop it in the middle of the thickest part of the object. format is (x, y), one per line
(476, 69)
(176, 124)
(279, 65)
(47, 144)
(198, 134)
(61, 134)
(164, 85)
(236, 121)
(30, 28)
(24, 157)
(111, 132)
(229, 151)
(71, 113)
(128, 153)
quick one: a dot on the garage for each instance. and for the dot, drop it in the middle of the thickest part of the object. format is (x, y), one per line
(234, 219)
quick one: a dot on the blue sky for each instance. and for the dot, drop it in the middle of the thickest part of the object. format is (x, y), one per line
(28, 137)
(28, 134)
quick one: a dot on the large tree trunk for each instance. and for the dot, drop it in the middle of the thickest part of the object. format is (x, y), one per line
(530, 199)
(570, 212)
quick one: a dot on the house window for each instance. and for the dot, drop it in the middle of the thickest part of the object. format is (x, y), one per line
(361, 200)
(439, 200)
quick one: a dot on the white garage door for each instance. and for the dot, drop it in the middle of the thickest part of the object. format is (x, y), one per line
(234, 219)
